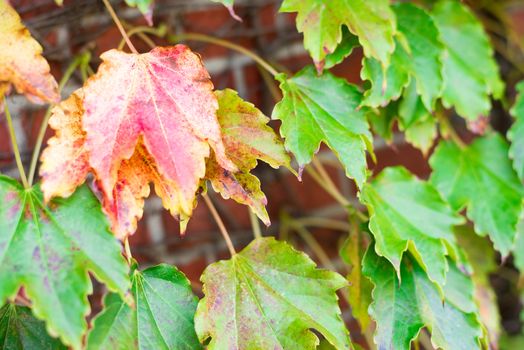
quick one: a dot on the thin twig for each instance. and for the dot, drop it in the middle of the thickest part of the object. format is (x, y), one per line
(119, 26)
(331, 190)
(143, 30)
(225, 43)
(220, 224)
(332, 224)
(127, 249)
(254, 224)
(14, 143)
(444, 121)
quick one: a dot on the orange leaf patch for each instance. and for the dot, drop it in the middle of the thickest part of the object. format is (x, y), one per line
(21, 60)
(164, 96)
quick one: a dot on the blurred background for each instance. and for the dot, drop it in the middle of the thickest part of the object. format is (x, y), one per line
(301, 212)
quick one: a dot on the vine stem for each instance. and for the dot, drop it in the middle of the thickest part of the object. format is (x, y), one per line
(225, 43)
(141, 32)
(444, 121)
(43, 127)
(327, 187)
(14, 144)
(127, 249)
(254, 224)
(119, 26)
(220, 224)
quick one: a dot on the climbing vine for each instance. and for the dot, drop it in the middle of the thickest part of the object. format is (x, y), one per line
(420, 250)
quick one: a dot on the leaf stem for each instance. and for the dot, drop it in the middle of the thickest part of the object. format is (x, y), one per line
(220, 224)
(43, 127)
(14, 144)
(254, 224)
(444, 121)
(119, 26)
(141, 33)
(127, 250)
(225, 43)
(333, 191)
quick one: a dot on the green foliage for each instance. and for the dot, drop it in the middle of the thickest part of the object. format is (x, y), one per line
(516, 133)
(161, 316)
(427, 269)
(480, 179)
(20, 330)
(471, 74)
(268, 297)
(359, 294)
(403, 305)
(372, 21)
(319, 109)
(49, 250)
(409, 214)
(417, 57)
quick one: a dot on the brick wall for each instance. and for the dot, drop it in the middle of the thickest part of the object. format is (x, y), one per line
(84, 24)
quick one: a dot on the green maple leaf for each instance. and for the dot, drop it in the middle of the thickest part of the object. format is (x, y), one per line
(324, 108)
(418, 56)
(409, 214)
(348, 43)
(269, 296)
(419, 126)
(480, 178)
(20, 330)
(516, 133)
(49, 251)
(402, 309)
(162, 316)
(470, 72)
(321, 21)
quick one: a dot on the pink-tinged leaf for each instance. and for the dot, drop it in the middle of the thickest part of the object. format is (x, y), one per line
(247, 138)
(21, 62)
(126, 205)
(165, 97)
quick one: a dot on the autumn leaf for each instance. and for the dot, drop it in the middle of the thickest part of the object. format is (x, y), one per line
(65, 166)
(126, 205)
(165, 97)
(20, 330)
(21, 62)
(247, 137)
(162, 316)
(269, 296)
(65, 160)
(49, 250)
